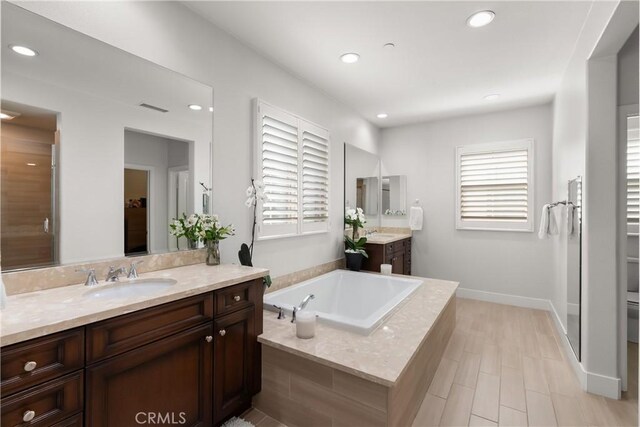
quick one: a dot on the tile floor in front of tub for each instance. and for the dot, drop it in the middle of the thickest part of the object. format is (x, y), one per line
(504, 366)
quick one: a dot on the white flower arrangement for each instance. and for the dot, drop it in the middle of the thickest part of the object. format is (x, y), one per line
(255, 193)
(203, 227)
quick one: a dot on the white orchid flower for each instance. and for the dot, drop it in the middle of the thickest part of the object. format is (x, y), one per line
(249, 202)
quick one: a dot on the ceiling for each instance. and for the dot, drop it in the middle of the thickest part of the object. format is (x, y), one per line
(32, 117)
(74, 61)
(439, 68)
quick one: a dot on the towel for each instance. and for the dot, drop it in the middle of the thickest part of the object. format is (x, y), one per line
(556, 216)
(415, 218)
(544, 222)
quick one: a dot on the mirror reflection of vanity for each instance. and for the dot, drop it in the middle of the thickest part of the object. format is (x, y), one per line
(100, 148)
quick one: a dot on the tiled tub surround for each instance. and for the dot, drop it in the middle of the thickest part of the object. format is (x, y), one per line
(342, 378)
(35, 314)
(37, 279)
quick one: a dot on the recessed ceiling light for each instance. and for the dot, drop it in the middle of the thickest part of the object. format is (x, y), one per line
(382, 116)
(31, 164)
(23, 50)
(389, 45)
(211, 109)
(5, 116)
(349, 58)
(480, 19)
(492, 96)
(195, 107)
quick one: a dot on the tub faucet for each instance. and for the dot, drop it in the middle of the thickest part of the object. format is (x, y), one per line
(302, 305)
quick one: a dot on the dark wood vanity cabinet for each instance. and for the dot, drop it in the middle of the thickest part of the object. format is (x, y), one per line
(192, 362)
(397, 253)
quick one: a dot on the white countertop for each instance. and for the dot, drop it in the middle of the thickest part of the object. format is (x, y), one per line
(384, 238)
(35, 314)
(381, 356)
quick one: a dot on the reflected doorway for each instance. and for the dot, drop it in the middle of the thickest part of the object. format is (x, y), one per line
(136, 217)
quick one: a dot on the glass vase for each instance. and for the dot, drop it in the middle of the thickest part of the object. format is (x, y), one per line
(213, 252)
(192, 244)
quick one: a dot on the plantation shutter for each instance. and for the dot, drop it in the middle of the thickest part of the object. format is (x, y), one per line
(293, 163)
(633, 171)
(494, 186)
(278, 151)
(315, 177)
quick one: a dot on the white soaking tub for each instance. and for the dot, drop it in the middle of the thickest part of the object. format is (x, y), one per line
(355, 301)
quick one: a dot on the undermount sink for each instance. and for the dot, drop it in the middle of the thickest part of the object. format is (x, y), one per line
(136, 287)
(382, 236)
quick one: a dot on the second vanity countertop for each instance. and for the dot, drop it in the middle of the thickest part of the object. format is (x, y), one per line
(35, 314)
(384, 238)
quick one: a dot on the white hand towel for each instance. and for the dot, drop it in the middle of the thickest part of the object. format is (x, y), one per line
(544, 222)
(415, 218)
(556, 222)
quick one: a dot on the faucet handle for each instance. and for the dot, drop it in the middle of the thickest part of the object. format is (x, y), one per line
(280, 312)
(133, 271)
(91, 276)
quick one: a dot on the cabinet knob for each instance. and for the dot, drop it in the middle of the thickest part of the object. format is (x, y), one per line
(236, 298)
(209, 338)
(222, 332)
(30, 366)
(28, 416)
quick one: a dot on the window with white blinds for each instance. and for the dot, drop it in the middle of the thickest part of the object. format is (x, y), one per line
(633, 173)
(292, 160)
(495, 186)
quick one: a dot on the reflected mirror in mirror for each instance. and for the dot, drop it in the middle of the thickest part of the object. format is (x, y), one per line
(361, 182)
(394, 195)
(100, 148)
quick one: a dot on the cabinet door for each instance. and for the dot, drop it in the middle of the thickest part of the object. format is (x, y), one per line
(166, 382)
(234, 350)
(397, 263)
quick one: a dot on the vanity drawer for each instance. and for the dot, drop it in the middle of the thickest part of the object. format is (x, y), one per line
(234, 297)
(75, 421)
(114, 336)
(46, 404)
(36, 361)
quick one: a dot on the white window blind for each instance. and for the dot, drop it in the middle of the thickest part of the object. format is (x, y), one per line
(293, 162)
(315, 177)
(494, 186)
(633, 171)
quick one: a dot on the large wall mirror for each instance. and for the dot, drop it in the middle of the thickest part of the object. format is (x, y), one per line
(362, 183)
(100, 148)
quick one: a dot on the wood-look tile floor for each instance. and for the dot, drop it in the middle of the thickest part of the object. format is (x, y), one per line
(504, 366)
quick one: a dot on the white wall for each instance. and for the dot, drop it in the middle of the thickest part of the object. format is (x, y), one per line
(171, 35)
(583, 145)
(513, 263)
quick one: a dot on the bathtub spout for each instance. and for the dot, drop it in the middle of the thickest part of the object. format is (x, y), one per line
(302, 305)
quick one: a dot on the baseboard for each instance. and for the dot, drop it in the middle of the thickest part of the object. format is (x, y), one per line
(593, 383)
(518, 301)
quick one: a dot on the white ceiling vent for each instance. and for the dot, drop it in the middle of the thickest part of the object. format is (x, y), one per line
(153, 107)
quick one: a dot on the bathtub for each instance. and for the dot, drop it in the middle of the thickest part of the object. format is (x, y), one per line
(355, 301)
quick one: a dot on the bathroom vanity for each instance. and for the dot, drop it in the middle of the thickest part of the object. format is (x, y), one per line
(394, 249)
(194, 361)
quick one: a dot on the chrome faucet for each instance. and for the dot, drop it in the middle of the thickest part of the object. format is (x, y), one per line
(302, 305)
(114, 274)
(91, 276)
(133, 270)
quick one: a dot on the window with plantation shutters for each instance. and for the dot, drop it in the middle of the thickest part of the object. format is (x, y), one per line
(633, 173)
(495, 186)
(292, 161)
